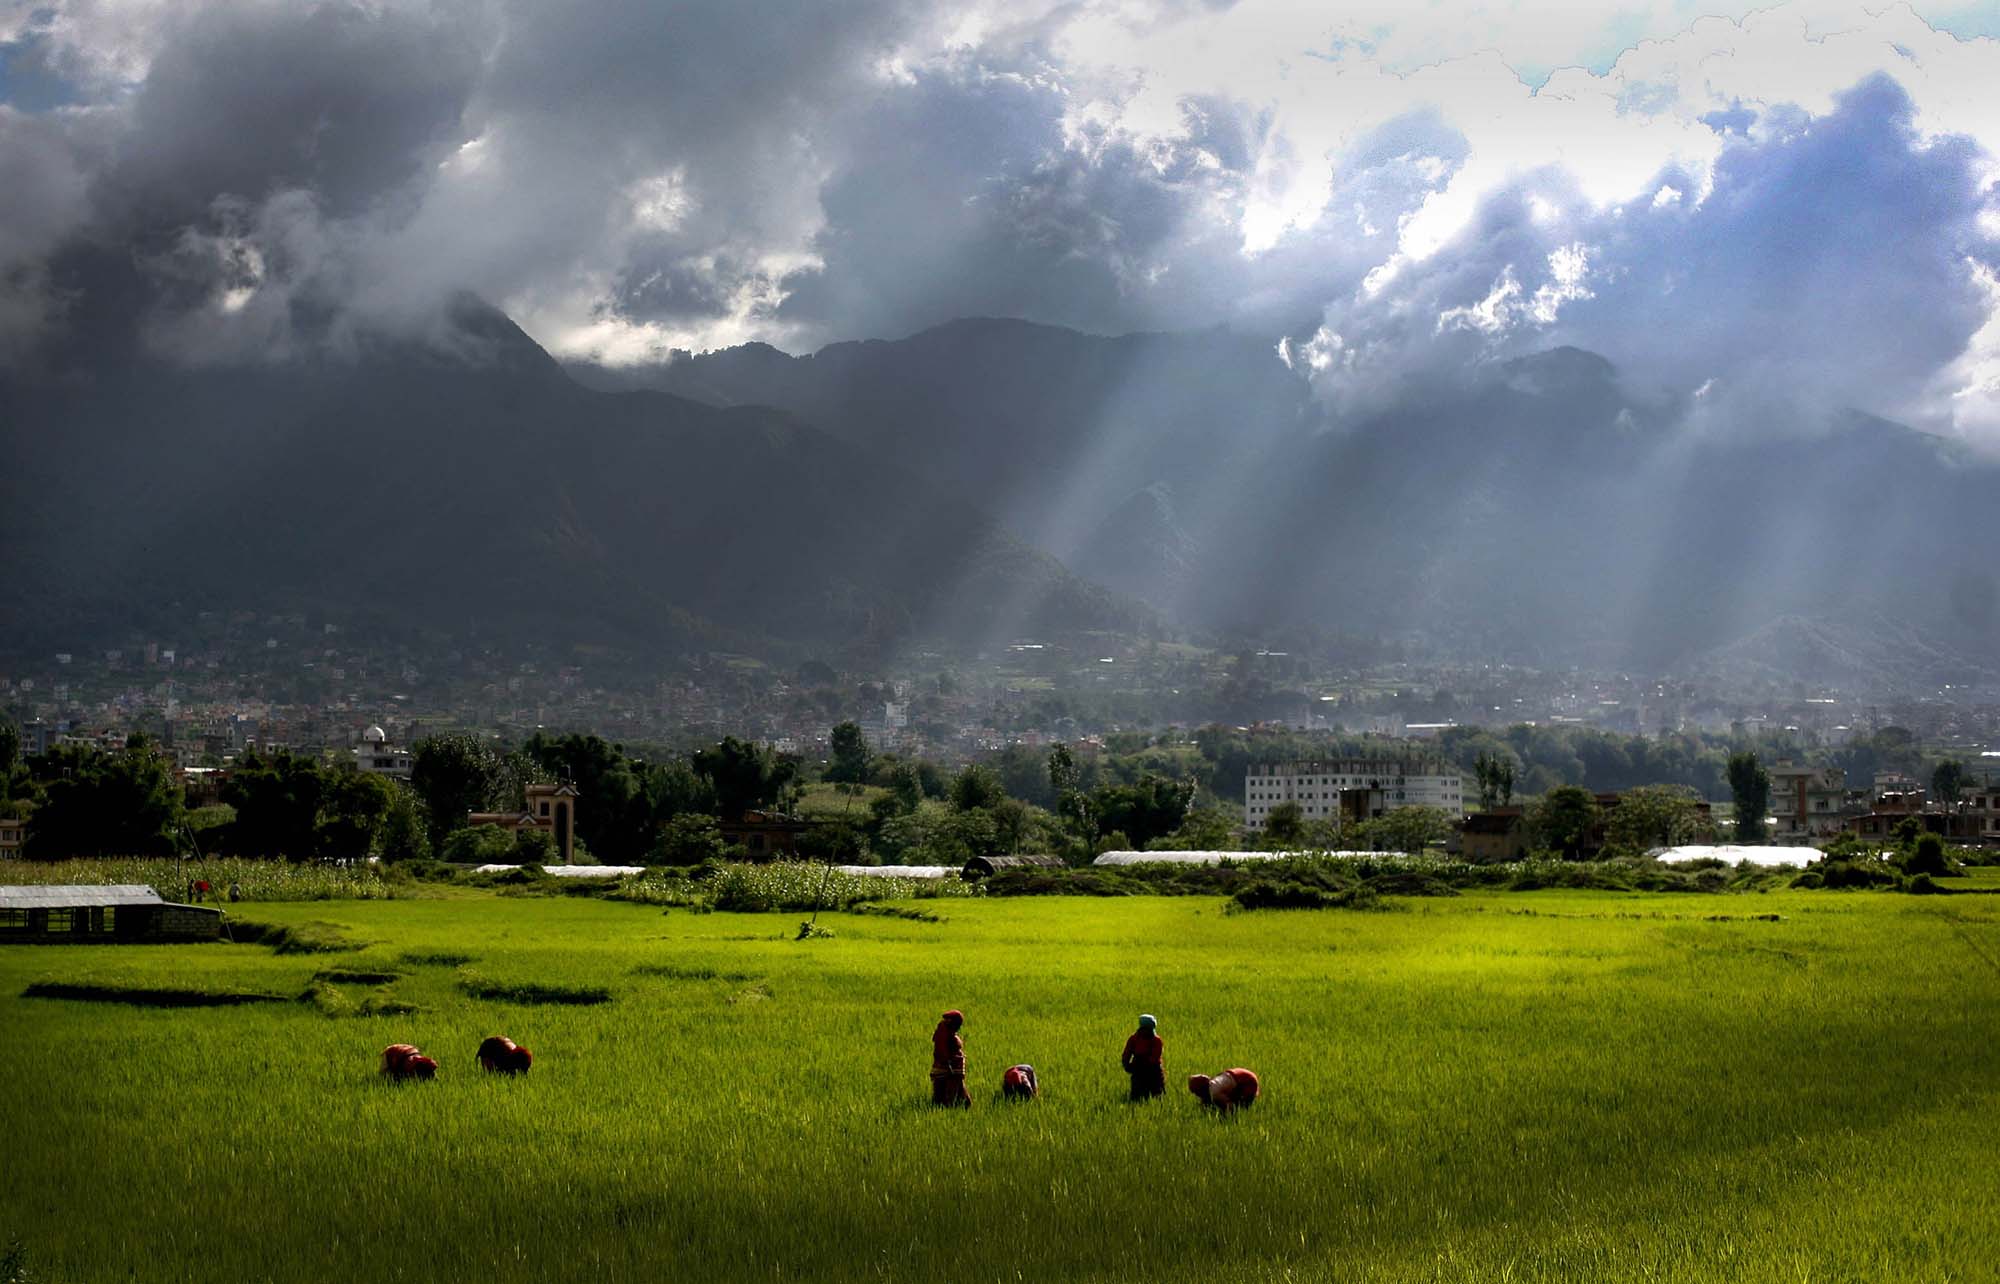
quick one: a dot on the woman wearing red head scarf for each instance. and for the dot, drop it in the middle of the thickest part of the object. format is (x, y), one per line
(1142, 1060)
(948, 1062)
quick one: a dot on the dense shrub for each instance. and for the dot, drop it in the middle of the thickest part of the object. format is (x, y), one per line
(1927, 857)
(1862, 871)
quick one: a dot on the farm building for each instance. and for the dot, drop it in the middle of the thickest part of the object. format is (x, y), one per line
(987, 866)
(82, 915)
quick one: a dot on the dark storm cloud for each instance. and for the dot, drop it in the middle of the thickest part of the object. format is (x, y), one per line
(346, 103)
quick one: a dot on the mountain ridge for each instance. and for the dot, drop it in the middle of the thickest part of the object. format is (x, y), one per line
(1536, 507)
(481, 487)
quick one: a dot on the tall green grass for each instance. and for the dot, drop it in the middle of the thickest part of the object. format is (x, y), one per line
(257, 880)
(1613, 1087)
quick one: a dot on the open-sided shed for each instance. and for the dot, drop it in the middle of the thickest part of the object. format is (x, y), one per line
(74, 914)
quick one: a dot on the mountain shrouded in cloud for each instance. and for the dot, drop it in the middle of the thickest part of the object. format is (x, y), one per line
(1797, 199)
(1613, 334)
(483, 494)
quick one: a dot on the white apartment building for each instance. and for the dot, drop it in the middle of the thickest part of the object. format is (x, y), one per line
(1384, 784)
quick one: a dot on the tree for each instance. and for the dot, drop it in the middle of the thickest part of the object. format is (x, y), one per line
(1073, 806)
(1063, 775)
(833, 843)
(977, 788)
(744, 776)
(479, 845)
(277, 797)
(847, 755)
(1205, 829)
(1147, 808)
(1285, 825)
(906, 788)
(1750, 785)
(99, 804)
(1947, 780)
(673, 788)
(402, 835)
(612, 814)
(1650, 816)
(689, 839)
(1563, 819)
(1406, 829)
(1927, 857)
(354, 812)
(1483, 771)
(937, 834)
(453, 775)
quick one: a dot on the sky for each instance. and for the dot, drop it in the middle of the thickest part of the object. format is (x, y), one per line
(1735, 203)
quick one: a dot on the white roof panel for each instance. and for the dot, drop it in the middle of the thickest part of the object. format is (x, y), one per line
(900, 871)
(77, 896)
(1776, 857)
(571, 871)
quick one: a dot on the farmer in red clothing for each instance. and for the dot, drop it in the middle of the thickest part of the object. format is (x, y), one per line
(1225, 1091)
(948, 1062)
(1018, 1083)
(1141, 1060)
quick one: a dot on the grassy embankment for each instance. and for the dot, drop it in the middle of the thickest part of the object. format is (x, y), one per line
(1584, 1086)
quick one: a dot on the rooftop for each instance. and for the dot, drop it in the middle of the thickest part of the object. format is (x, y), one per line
(77, 896)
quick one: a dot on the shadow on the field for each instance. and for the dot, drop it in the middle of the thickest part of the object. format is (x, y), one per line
(143, 997)
(532, 992)
(435, 958)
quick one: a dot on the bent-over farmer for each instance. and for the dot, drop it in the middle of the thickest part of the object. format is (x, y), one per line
(1226, 1091)
(1018, 1083)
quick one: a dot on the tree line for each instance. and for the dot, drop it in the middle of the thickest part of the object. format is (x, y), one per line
(1169, 790)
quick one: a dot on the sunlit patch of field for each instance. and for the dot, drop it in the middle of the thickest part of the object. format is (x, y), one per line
(826, 801)
(1610, 1087)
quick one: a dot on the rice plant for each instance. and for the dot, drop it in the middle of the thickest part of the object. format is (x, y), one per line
(1615, 1087)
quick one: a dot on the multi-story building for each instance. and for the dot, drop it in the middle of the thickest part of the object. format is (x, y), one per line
(374, 754)
(1809, 804)
(1372, 786)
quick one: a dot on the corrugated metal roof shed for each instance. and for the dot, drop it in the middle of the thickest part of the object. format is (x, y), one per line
(1024, 860)
(899, 871)
(77, 896)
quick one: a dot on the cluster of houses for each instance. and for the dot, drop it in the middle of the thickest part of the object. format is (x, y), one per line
(1809, 806)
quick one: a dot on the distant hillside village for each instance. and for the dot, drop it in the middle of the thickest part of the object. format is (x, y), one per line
(861, 798)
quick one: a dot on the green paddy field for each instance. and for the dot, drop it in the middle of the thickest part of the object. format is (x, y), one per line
(1795, 1086)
